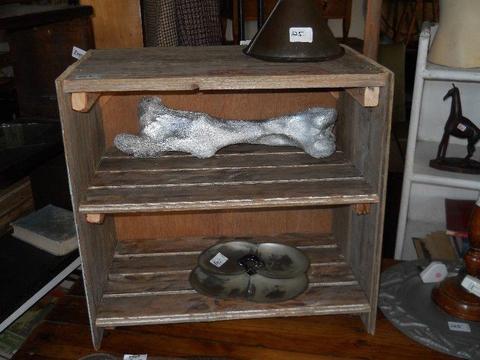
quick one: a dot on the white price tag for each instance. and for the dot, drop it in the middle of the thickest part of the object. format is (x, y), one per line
(77, 53)
(218, 260)
(461, 127)
(301, 34)
(458, 326)
(472, 285)
(134, 357)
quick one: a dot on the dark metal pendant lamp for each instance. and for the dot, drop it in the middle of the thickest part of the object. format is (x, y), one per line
(295, 31)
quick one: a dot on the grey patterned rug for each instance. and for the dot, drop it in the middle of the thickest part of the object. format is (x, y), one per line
(405, 300)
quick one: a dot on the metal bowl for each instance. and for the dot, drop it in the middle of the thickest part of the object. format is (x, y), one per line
(233, 251)
(268, 290)
(265, 273)
(257, 288)
(220, 286)
(282, 261)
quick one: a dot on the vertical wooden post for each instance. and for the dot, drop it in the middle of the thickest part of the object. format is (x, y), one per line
(372, 28)
(241, 19)
(117, 23)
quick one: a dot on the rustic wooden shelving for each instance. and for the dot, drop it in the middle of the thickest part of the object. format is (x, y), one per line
(142, 222)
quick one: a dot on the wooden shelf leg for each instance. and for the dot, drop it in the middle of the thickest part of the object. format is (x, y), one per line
(83, 101)
(367, 97)
(95, 218)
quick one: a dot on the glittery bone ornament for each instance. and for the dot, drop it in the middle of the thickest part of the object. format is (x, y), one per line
(163, 129)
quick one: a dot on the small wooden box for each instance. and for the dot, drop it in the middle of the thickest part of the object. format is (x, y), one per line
(142, 222)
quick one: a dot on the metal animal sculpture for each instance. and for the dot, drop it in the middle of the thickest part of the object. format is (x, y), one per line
(458, 126)
(163, 129)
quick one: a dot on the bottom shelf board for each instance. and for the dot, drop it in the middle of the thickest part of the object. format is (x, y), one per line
(148, 284)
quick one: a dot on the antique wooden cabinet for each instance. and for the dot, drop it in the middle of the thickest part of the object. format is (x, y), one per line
(142, 222)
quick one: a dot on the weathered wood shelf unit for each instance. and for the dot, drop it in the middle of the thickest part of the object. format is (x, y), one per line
(142, 222)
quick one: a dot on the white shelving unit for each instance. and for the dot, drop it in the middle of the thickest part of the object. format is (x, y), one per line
(424, 188)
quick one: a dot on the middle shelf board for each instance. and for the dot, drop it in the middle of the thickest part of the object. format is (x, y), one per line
(241, 176)
(148, 284)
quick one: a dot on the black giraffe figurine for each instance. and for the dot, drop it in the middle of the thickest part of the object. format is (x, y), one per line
(460, 127)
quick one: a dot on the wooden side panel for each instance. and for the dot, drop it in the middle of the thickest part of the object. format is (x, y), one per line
(223, 223)
(84, 144)
(370, 136)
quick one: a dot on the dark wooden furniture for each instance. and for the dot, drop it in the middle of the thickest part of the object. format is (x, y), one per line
(450, 295)
(65, 335)
(142, 223)
(15, 200)
(41, 38)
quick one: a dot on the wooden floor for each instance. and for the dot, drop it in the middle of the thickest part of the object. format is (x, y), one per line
(66, 335)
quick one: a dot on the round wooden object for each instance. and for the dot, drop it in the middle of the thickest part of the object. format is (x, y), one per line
(457, 301)
(450, 295)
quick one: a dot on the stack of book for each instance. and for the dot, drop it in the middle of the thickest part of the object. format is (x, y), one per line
(452, 243)
(458, 213)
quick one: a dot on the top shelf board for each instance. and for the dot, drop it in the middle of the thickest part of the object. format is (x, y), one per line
(213, 68)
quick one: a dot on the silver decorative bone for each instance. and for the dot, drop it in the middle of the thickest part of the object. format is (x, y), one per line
(163, 129)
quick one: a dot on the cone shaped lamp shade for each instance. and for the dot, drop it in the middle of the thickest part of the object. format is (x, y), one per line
(295, 31)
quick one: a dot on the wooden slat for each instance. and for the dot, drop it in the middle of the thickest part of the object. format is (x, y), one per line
(233, 179)
(177, 282)
(177, 308)
(147, 286)
(155, 246)
(213, 68)
(247, 175)
(150, 257)
(231, 150)
(114, 162)
(227, 196)
(149, 265)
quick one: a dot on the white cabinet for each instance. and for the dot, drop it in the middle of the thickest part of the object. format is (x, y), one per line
(424, 188)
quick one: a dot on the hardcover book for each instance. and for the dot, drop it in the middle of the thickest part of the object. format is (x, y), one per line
(458, 213)
(51, 229)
